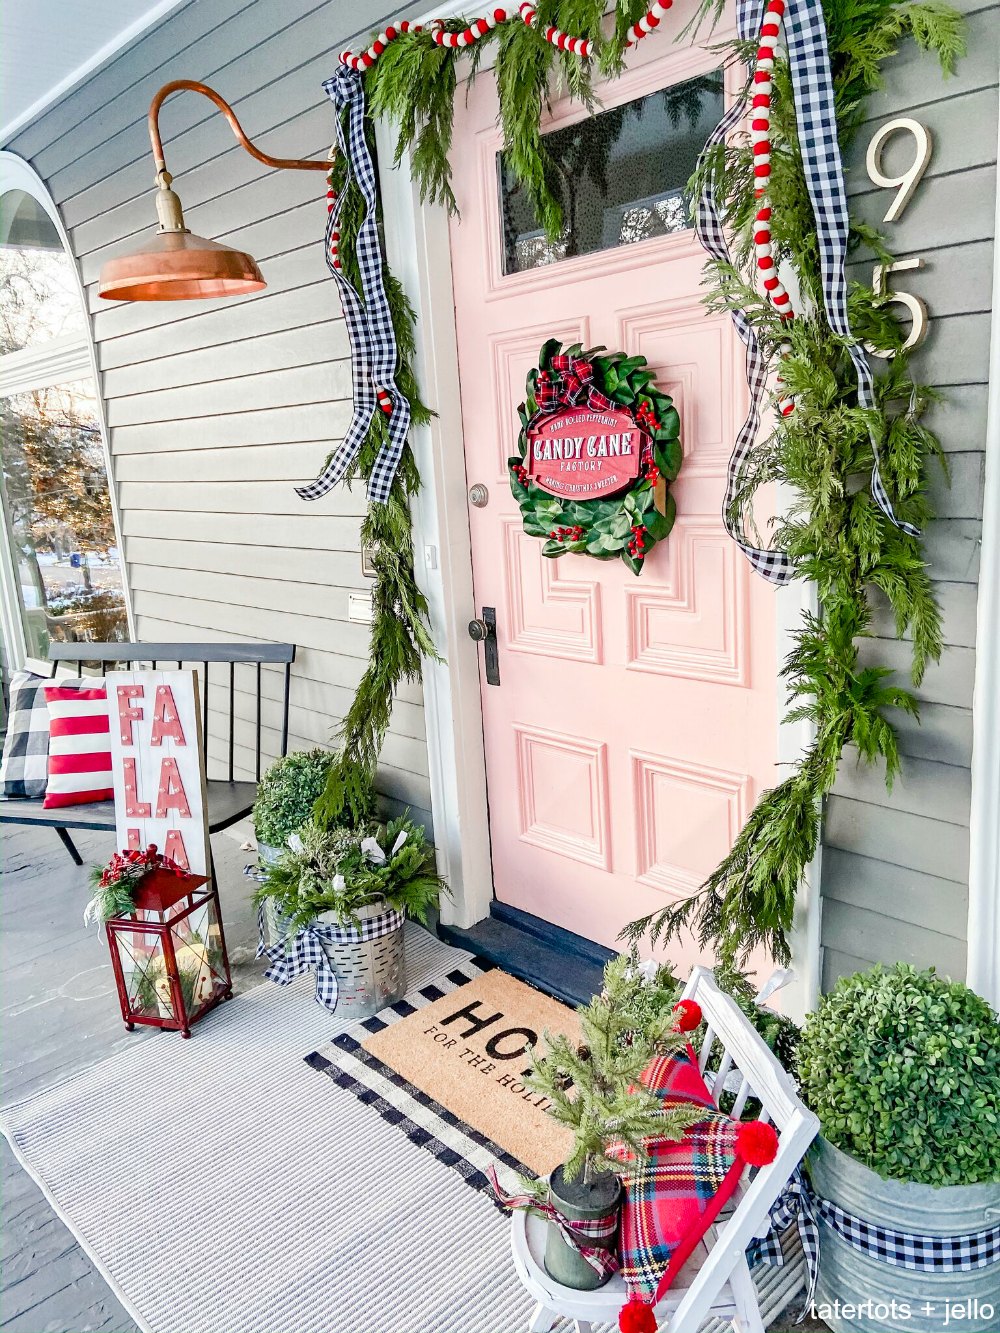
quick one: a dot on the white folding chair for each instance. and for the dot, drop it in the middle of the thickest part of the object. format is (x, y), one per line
(716, 1281)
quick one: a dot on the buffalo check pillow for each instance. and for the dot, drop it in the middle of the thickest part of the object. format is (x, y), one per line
(79, 746)
(24, 769)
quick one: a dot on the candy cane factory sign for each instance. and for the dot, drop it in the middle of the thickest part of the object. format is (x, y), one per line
(158, 769)
(582, 453)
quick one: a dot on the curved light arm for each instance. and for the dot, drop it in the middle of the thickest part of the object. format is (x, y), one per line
(190, 85)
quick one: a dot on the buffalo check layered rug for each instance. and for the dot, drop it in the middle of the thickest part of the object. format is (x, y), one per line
(459, 1042)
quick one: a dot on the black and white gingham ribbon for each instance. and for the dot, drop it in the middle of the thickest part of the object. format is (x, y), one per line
(367, 313)
(771, 565)
(812, 87)
(298, 953)
(793, 1205)
(902, 1249)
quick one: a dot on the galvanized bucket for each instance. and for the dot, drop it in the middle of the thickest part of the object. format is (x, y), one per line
(371, 974)
(277, 921)
(967, 1302)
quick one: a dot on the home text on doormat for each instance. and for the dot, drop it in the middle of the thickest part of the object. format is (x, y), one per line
(469, 1051)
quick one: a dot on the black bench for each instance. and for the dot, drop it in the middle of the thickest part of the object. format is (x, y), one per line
(229, 799)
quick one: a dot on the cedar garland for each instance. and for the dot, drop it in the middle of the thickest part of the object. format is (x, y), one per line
(835, 535)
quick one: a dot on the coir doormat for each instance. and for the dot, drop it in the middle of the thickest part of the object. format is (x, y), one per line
(459, 1055)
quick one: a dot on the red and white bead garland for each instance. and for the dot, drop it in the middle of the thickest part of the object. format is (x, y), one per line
(760, 139)
(563, 41)
(760, 124)
(649, 22)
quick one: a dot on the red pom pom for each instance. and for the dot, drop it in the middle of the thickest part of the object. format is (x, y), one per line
(757, 1143)
(688, 1015)
(636, 1317)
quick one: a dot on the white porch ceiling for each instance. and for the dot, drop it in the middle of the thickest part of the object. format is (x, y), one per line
(48, 46)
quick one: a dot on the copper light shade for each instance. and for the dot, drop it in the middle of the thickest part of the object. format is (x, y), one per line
(177, 265)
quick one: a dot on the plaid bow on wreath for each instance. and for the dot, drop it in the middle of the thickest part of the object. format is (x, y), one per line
(572, 379)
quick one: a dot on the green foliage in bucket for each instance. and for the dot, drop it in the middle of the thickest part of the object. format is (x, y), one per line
(341, 871)
(287, 793)
(903, 1070)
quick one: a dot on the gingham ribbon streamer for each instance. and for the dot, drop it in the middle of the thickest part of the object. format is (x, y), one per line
(815, 116)
(580, 1235)
(812, 87)
(902, 1249)
(771, 565)
(304, 950)
(367, 314)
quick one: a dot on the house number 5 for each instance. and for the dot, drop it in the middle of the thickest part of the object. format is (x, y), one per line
(904, 185)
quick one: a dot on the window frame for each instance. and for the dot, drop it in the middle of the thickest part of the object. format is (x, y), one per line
(60, 360)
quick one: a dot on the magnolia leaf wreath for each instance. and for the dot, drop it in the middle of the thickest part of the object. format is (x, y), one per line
(591, 388)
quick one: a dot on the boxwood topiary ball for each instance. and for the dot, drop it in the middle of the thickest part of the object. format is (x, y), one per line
(903, 1070)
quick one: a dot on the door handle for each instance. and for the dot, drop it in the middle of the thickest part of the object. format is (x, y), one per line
(484, 631)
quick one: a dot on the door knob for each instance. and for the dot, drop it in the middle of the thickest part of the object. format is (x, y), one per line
(479, 495)
(484, 631)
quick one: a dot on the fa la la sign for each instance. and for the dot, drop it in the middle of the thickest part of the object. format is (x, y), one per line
(582, 453)
(157, 764)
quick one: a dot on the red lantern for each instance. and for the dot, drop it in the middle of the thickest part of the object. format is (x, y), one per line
(169, 953)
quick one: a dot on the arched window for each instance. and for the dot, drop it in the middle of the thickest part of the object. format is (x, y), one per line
(61, 569)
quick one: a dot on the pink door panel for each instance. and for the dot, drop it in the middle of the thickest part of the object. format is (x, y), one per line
(635, 723)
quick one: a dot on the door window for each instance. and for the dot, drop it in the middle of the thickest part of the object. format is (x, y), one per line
(620, 176)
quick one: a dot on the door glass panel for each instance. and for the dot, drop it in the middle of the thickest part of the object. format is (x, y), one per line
(58, 512)
(40, 297)
(620, 176)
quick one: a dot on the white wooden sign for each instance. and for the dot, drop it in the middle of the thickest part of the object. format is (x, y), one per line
(158, 764)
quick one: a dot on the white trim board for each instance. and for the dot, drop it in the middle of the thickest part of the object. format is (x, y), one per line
(418, 251)
(983, 973)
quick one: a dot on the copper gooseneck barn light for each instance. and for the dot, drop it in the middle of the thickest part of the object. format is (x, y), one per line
(177, 265)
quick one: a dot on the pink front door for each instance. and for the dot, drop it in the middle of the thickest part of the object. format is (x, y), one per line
(635, 721)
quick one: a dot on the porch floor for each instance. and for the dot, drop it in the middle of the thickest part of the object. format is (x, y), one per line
(60, 1013)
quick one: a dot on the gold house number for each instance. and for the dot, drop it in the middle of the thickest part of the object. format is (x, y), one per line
(904, 185)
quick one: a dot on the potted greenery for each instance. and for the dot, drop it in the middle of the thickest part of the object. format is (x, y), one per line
(341, 880)
(903, 1070)
(286, 795)
(594, 1086)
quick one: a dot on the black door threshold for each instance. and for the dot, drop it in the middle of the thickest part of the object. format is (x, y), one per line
(547, 957)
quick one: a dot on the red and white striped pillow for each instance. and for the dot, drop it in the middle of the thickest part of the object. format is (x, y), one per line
(79, 746)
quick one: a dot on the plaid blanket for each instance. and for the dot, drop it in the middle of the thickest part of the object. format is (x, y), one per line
(673, 1195)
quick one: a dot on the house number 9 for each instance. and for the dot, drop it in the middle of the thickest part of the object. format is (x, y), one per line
(904, 185)
(908, 182)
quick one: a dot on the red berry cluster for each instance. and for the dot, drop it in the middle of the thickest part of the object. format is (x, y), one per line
(650, 471)
(520, 472)
(645, 416)
(637, 542)
(572, 534)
